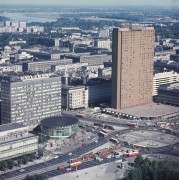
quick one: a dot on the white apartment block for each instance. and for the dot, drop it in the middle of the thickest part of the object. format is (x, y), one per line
(35, 29)
(102, 43)
(22, 55)
(7, 29)
(74, 97)
(104, 33)
(164, 78)
(75, 66)
(11, 68)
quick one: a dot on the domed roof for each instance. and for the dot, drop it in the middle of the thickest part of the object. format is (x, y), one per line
(7, 48)
(59, 121)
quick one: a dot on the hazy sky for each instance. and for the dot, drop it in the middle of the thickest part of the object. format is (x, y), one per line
(93, 2)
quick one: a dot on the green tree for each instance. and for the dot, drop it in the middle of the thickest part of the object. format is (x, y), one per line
(34, 177)
(11, 163)
(25, 159)
(40, 153)
(138, 160)
(4, 165)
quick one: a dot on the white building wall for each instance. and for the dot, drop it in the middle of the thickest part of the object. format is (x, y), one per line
(164, 78)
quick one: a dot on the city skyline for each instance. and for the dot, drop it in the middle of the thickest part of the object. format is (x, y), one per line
(92, 2)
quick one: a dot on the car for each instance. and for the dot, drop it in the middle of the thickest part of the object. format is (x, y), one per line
(21, 170)
(68, 169)
(55, 157)
(70, 154)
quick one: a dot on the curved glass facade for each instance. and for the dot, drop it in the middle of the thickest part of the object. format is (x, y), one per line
(60, 132)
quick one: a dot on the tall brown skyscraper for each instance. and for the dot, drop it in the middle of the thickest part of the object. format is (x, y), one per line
(132, 66)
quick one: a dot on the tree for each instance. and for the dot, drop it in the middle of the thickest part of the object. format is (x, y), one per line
(24, 159)
(34, 177)
(4, 165)
(153, 170)
(138, 160)
(40, 153)
(20, 161)
(32, 156)
(11, 163)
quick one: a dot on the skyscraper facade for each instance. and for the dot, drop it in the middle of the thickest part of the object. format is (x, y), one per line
(132, 66)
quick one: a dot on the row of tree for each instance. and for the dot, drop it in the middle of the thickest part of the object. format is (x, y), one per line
(34, 177)
(10, 163)
(144, 169)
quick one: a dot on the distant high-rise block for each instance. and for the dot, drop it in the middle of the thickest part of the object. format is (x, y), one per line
(132, 66)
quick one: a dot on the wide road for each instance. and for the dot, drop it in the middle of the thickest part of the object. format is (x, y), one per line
(53, 164)
(50, 166)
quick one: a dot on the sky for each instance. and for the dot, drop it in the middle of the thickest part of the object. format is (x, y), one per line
(92, 2)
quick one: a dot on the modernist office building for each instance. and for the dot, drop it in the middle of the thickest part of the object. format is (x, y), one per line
(29, 99)
(132, 66)
(16, 141)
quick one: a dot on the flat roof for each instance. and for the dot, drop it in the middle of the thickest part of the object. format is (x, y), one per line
(59, 121)
(19, 138)
(10, 126)
(147, 110)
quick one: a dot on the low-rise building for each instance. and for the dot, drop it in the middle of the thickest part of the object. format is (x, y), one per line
(74, 97)
(15, 141)
(169, 94)
(102, 43)
(23, 56)
(105, 72)
(104, 33)
(69, 66)
(10, 67)
(99, 91)
(35, 29)
(44, 65)
(164, 78)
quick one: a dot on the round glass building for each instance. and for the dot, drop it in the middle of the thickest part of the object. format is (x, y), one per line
(59, 126)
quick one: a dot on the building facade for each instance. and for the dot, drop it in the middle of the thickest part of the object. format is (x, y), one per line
(169, 94)
(164, 78)
(43, 66)
(74, 97)
(15, 141)
(132, 66)
(99, 91)
(59, 127)
(29, 99)
(102, 43)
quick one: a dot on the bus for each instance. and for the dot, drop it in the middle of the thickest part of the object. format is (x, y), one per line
(88, 156)
(103, 134)
(114, 140)
(80, 115)
(161, 123)
(167, 130)
(139, 146)
(75, 160)
(105, 130)
(75, 164)
(133, 153)
(132, 124)
(109, 127)
(99, 125)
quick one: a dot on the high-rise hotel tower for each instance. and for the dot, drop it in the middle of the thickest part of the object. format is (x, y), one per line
(132, 66)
